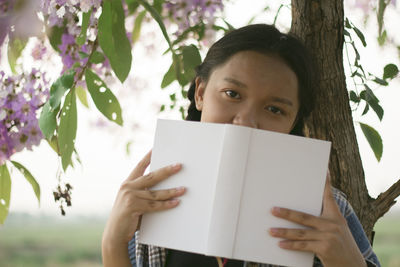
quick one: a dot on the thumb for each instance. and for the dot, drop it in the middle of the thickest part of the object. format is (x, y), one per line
(329, 207)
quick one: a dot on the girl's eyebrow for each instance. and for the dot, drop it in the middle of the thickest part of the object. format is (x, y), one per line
(235, 82)
(282, 100)
(274, 98)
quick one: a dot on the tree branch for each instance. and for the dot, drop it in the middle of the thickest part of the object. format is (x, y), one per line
(386, 199)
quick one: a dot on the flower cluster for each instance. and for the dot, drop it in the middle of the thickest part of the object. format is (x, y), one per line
(188, 13)
(59, 10)
(20, 98)
(64, 14)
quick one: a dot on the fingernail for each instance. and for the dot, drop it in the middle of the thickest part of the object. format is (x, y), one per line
(283, 244)
(276, 210)
(173, 201)
(274, 231)
(176, 166)
(180, 189)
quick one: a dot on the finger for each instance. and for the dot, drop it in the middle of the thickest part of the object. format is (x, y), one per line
(160, 194)
(329, 206)
(297, 217)
(311, 246)
(157, 176)
(296, 234)
(145, 205)
(140, 167)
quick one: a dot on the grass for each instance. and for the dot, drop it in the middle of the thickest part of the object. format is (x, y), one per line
(46, 241)
(74, 242)
(387, 240)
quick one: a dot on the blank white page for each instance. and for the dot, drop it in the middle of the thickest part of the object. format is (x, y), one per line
(285, 171)
(198, 147)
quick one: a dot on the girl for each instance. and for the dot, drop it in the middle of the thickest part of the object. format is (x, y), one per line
(258, 77)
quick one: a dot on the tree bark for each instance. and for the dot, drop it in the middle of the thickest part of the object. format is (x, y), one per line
(320, 24)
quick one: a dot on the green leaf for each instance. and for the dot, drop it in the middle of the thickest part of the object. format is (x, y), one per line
(113, 40)
(54, 144)
(230, 27)
(172, 97)
(128, 148)
(29, 177)
(55, 33)
(156, 15)
(103, 98)
(380, 81)
(132, 5)
(67, 129)
(354, 97)
(183, 113)
(191, 59)
(390, 71)
(365, 109)
(178, 70)
(97, 57)
(169, 77)
(347, 23)
(15, 48)
(184, 93)
(162, 108)
(382, 38)
(381, 11)
(5, 192)
(138, 25)
(184, 34)
(81, 39)
(357, 55)
(360, 35)
(157, 4)
(82, 95)
(48, 121)
(82, 54)
(59, 87)
(372, 101)
(374, 140)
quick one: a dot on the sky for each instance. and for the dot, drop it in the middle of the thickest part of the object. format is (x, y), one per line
(105, 163)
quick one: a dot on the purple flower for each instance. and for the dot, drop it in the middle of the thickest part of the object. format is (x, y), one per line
(38, 51)
(191, 12)
(20, 98)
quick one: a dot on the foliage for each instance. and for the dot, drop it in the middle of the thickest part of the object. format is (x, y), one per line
(93, 40)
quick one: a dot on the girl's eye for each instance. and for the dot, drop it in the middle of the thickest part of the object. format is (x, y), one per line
(232, 94)
(275, 110)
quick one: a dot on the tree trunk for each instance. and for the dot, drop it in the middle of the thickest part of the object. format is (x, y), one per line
(320, 24)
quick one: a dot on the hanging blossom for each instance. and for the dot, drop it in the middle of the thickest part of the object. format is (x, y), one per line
(58, 10)
(20, 98)
(188, 13)
(62, 13)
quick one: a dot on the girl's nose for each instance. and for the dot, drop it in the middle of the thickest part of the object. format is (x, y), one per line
(246, 117)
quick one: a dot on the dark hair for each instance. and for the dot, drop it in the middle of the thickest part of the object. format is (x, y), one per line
(268, 40)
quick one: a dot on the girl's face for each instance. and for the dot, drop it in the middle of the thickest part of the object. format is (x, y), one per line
(250, 89)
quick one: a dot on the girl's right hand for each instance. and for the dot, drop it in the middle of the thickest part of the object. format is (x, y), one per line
(134, 199)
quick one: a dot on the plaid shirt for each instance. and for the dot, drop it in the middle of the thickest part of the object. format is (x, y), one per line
(151, 256)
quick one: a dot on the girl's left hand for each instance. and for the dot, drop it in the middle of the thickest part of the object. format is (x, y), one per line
(328, 235)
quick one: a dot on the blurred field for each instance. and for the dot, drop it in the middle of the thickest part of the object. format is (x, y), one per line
(75, 242)
(48, 241)
(387, 240)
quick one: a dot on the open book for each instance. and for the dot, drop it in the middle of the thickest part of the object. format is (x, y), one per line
(234, 175)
